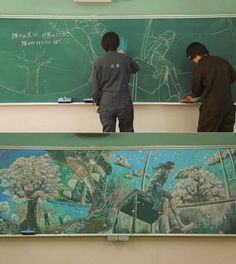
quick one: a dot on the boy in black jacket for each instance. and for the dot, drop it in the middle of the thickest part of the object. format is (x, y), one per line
(211, 83)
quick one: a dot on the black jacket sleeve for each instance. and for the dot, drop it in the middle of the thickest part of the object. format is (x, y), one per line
(197, 87)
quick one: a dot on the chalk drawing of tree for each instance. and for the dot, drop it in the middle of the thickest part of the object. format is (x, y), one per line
(85, 33)
(29, 179)
(32, 67)
(198, 185)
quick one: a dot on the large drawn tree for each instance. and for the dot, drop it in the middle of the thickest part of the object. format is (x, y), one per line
(29, 179)
(197, 184)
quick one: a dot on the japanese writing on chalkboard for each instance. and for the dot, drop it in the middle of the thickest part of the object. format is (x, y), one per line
(30, 38)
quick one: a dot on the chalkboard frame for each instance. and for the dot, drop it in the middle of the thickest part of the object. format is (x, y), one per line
(52, 218)
(172, 99)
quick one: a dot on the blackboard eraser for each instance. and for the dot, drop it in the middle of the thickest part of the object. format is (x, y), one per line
(65, 100)
(28, 232)
(88, 100)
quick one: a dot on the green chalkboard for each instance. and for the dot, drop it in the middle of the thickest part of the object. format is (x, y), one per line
(44, 59)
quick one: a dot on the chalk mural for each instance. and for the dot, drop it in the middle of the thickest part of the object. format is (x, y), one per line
(145, 191)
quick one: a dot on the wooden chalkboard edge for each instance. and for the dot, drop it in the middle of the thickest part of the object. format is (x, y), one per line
(85, 104)
(167, 16)
(81, 104)
(116, 235)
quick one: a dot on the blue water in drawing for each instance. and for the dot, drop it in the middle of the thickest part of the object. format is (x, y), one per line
(10, 155)
(75, 210)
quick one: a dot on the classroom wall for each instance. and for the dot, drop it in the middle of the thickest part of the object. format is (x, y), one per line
(117, 7)
(159, 118)
(94, 250)
(82, 117)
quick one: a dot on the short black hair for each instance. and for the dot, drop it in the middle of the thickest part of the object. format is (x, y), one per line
(110, 41)
(194, 49)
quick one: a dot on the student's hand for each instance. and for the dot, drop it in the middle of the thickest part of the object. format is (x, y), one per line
(185, 100)
(189, 99)
(120, 51)
(98, 110)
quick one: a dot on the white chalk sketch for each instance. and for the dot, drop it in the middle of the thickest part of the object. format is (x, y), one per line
(155, 65)
(87, 33)
(84, 32)
(222, 26)
(31, 68)
(49, 58)
(35, 53)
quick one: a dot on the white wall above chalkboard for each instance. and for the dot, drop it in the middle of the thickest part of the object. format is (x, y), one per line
(92, 1)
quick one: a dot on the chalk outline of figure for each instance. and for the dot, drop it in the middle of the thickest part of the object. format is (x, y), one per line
(88, 32)
(165, 204)
(32, 68)
(170, 216)
(164, 70)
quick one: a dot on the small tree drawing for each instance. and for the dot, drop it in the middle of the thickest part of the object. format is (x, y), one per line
(29, 179)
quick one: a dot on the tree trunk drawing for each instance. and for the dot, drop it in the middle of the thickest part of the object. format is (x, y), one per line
(227, 188)
(31, 216)
(232, 161)
(84, 193)
(145, 171)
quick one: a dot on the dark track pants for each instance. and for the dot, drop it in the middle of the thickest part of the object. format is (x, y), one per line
(125, 116)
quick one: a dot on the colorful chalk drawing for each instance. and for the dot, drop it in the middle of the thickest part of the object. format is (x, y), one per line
(136, 191)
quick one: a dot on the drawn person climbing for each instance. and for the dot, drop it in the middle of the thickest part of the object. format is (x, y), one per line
(153, 60)
(164, 203)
